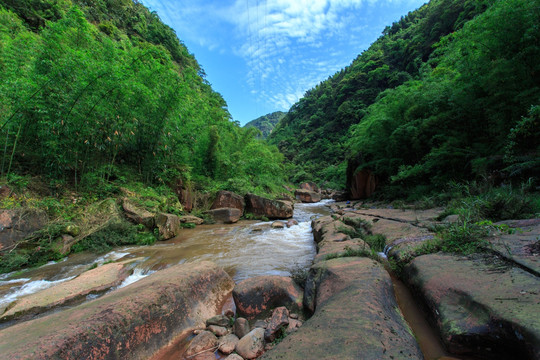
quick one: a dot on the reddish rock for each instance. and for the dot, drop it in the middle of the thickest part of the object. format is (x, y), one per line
(168, 226)
(356, 317)
(272, 209)
(483, 306)
(310, 186)
(278, 225)
(339, 248)
(360, 184)
(291, 222)
(186, 196)
(137, 214)
(228, 343)
(259, 295)
(93, 281)
(251, 346)
(227, 199)
(225, 215)
(241, 327)
(327, 229)
(190, 219)
(307, 196)
(234, 357)
(129, 323)
(205, 342)
(294, 325)
(218, 330)
(279, 320)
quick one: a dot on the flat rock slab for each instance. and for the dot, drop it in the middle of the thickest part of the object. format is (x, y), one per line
(482, 306)
(339, 248)
(130, 323)
(356, 317)
(92, 281)
(521, 245)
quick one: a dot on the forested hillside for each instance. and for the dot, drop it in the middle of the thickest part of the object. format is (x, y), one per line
(99, 90)
(266, 123)
(449, 92)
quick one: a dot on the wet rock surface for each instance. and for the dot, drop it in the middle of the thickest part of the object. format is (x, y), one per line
(131, 322)
(356, 316)
(92, 281)
(482, 305)
(259, 295)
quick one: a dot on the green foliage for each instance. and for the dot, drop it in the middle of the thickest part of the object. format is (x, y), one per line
(104, 92)
(265, 124)
(315, 134)
(353, 253)
(113, 235)
(377, 242)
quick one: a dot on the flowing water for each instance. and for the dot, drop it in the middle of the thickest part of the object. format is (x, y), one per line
(245, 249)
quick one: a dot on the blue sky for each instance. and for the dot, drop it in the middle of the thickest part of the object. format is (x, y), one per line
(263, 55)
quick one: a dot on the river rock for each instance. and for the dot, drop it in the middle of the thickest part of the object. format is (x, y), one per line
(138, 215)
(327, 229)
(132, 322)
(251, 346)
(291, 222)
(356, 317)
(218, 330)
(234, 357)
(278, 225)
(227, 344)
(340, 248)
(310, 186)
(227, 199)
(190, 219)
(272, 209)
(307, 196)
(218, 320)
(241, 327)
(93, 281)
(294, 324)
(202, 343)
(225, 215)
(483, 306)
(259, 295)
(279, 320)
(168, 226)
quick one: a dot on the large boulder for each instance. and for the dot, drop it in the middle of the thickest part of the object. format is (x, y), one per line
(227, 199)
(261, 294)
(482, 306)
(272, 209)
(310, 186)
(356, 316)
(137, 214)
(94, 281)
(225, 215)
(168, 225)
(15, 225)
(190, 219)
(307, 196)
(251, 346)
(130, 323)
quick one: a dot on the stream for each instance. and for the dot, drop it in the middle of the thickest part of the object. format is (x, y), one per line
(245, 249)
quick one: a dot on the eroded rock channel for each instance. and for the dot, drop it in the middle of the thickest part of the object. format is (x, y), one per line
(478, 307)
